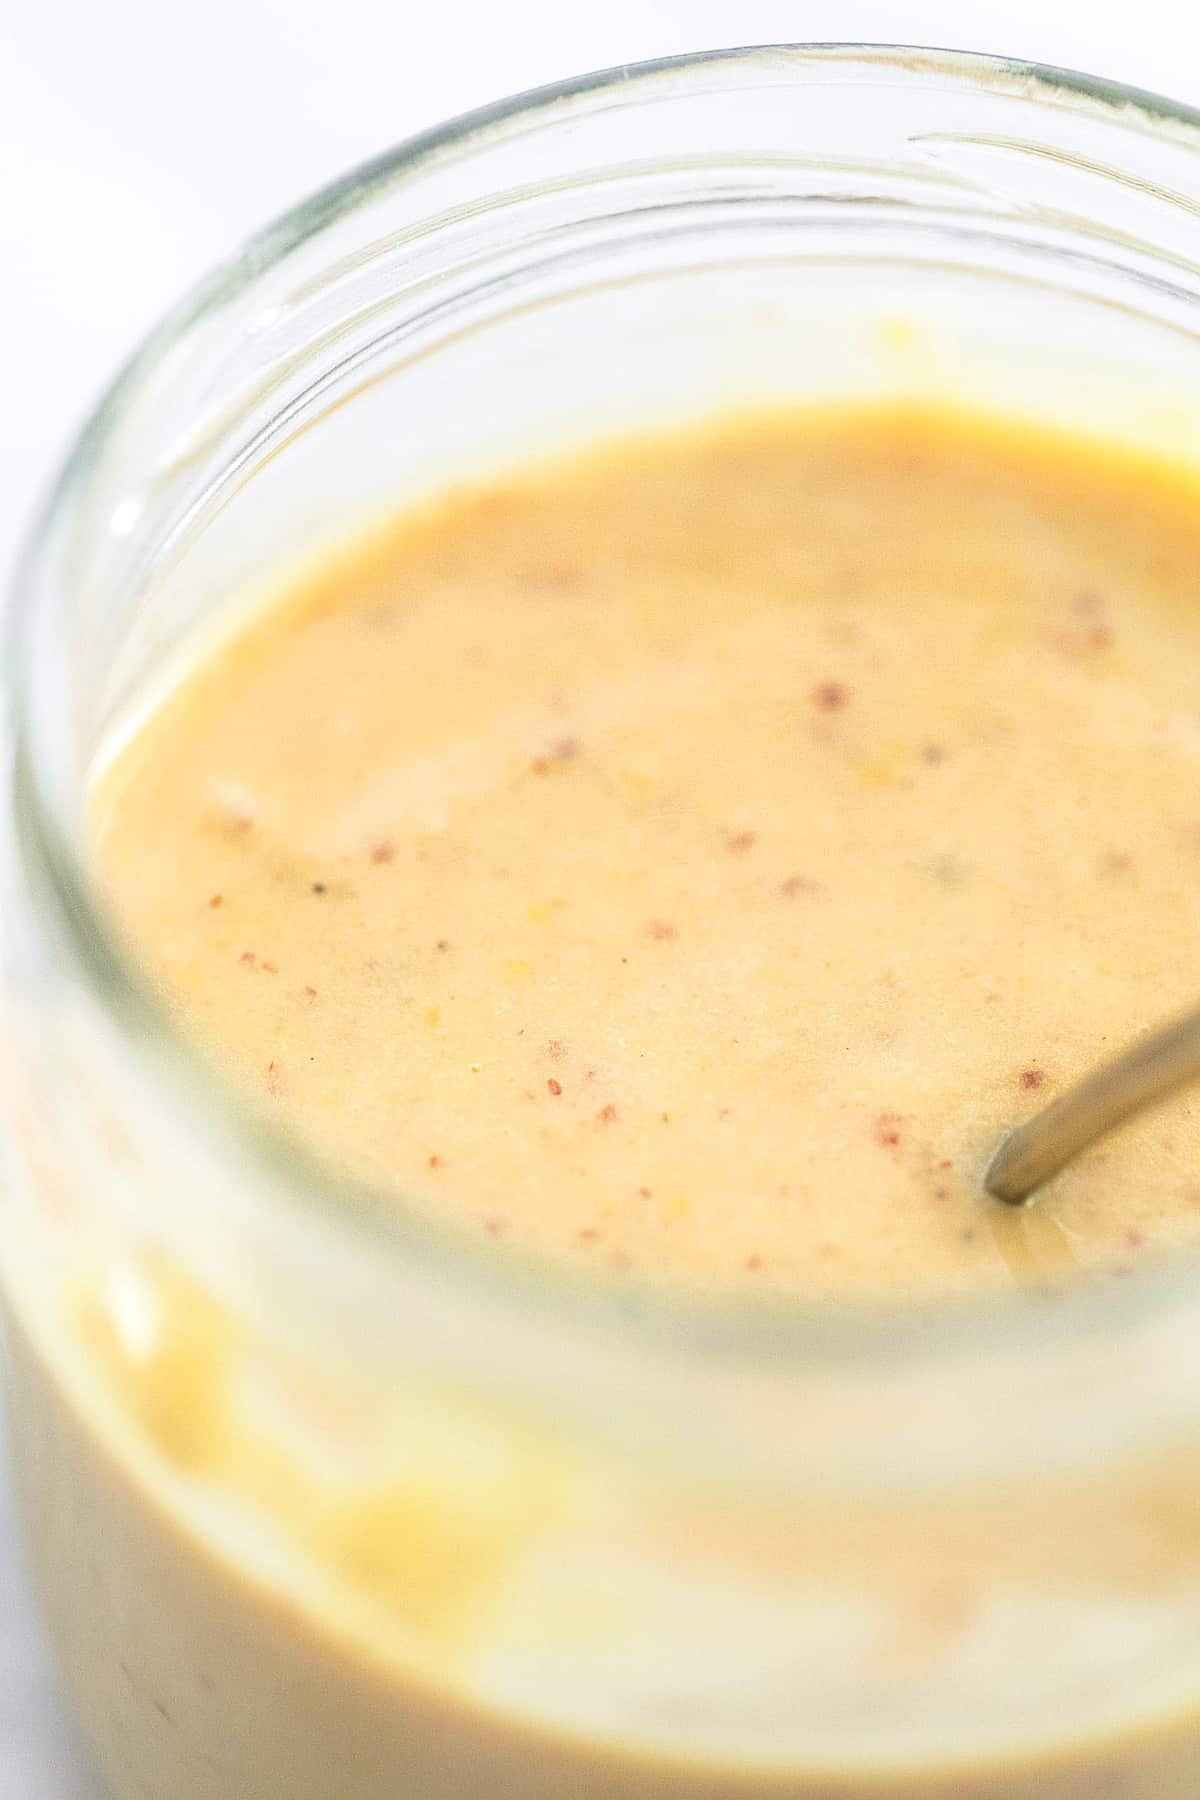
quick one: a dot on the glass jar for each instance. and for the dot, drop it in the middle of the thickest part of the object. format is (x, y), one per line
(326, 1504)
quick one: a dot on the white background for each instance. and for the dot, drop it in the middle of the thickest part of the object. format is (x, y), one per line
(140, 139)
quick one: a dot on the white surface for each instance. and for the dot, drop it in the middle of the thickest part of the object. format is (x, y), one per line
(139, 141)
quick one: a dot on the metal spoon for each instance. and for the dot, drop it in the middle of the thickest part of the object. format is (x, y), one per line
(1145, 1073)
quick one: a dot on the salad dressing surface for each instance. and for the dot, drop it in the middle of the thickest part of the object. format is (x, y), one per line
(688, 859)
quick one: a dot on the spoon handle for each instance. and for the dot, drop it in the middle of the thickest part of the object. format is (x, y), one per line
(1148, 1071)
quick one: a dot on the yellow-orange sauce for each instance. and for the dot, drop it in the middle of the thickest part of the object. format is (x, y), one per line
(687, 859)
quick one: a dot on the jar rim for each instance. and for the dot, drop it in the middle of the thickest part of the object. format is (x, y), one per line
(766, 1327)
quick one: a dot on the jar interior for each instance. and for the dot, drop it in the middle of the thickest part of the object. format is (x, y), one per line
(767, 229)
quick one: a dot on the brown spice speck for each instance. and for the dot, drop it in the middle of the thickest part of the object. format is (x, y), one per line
(754, 1263)
(1090, 631)
(562, 750)
(556, 1049)
(383, 851)
(318, 887)
(552, 578)
(607, 1114)
(435, 1162)
(588, 1235)
(1135, 1239)
(555, 1087)
(270, 968)
(661, 930)
(248, 959)
(887, 1130)
(443, 943)
(1032, 1078)
(493, 1226)
(932, 754)
(217, 900)
(951, 871)
(830, 696)
(310, 991)
(737, 841)
(798, 884)
(644, 1192)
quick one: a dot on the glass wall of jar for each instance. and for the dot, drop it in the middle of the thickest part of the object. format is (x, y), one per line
(326, 1503)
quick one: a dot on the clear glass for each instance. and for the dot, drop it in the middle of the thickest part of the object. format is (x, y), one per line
(327, 1505)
